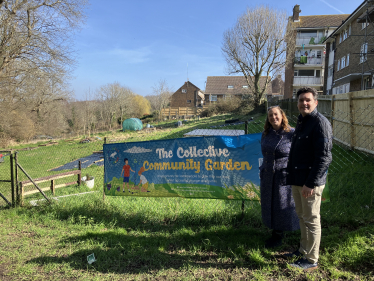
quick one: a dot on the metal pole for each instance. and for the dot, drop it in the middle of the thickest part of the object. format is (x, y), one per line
(104, 172)
(16, 174)
(12, 178)
(246, 132)
(41, 191)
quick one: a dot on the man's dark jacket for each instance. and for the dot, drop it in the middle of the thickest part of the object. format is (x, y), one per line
(310, 154)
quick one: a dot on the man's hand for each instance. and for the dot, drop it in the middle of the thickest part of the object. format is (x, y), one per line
(307, 192)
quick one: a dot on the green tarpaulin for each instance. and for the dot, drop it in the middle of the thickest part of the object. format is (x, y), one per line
(132, 124)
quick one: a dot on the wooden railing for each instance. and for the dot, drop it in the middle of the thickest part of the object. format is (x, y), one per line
(179, 112)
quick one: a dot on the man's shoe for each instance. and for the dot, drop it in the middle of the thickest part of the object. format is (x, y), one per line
(295, 254)
(304, 264)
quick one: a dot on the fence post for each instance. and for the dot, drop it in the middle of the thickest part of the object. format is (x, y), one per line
(16, 175)
(332, 111)
(12, 178)
(351, 121)
(53, 187)
(21, 194)
(246, 132)
(80, 174)
(104, 174)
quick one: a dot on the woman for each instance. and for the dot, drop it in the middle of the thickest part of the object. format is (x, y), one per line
(277, 204)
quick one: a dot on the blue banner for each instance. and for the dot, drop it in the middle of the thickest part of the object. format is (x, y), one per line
(221, 167)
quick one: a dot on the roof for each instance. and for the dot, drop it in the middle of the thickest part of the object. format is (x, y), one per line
(186, 84)
(320, 21)
(218, 85)
(359, 11)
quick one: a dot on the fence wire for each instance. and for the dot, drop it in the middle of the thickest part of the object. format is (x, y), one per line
(350, 176)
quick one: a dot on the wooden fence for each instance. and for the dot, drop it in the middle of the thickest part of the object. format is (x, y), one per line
(179, 112)
(351, 115)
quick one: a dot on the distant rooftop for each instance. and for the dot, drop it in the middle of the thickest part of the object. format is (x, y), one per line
(319, 21)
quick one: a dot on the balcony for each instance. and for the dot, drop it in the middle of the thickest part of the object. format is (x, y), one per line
(309, 40)
(308, 60)
(307, 81)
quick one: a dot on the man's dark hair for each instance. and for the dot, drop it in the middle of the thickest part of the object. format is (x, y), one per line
(304, 90)
(125, 160)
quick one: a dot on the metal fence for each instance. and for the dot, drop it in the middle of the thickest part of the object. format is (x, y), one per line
(350, 178)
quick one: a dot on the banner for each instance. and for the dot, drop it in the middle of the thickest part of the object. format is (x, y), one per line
(219, 167)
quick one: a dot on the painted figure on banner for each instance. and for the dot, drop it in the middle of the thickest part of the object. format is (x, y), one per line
(126, 174)
(277, 204)
(143, 184)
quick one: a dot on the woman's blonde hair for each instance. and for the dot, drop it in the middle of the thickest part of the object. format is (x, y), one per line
(286, 127)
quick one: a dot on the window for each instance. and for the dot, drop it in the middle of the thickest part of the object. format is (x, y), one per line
(364, 24)
(338, 68)
(349, 30)
(340, 38)
(318, 73)
(307, 34)
(319, 53)
(347, 88)
(184, 91)
(364, 50)
(306, 72)
(343, 62)
(213, 98)
(230, 87)
(188, 101)
(330, 71)
(334, 91)
(347, 62)
(345, 34)
(295, 73)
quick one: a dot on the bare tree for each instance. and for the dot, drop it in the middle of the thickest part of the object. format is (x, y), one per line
(35, 57)
(162, 93)
(116, 103)
(257, 46)
(38, 33)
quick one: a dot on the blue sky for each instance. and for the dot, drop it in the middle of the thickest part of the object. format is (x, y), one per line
(139, 42)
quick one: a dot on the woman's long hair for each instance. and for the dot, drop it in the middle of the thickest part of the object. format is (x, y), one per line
(286, 127)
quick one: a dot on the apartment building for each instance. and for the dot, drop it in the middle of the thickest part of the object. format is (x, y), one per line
(350, 54)
(307, 67)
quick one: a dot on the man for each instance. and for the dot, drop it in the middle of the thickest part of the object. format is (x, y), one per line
(309, 159)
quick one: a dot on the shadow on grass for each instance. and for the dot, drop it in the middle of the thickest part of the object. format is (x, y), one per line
(123, 251)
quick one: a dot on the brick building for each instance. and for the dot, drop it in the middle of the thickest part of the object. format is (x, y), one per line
(222, 87)
(349, 53)
(188, 95)
(307, 68)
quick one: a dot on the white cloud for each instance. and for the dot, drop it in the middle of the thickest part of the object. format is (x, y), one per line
(136, 149)
(139, 55)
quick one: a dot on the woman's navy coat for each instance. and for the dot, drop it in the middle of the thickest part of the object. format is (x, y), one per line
(277, 204)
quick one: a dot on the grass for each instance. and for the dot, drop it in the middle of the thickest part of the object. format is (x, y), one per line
(53, 242)
(172, 238)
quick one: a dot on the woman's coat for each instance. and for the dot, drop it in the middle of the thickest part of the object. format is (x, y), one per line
(277, 204)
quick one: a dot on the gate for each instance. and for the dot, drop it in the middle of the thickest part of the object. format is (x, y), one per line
(7, 186)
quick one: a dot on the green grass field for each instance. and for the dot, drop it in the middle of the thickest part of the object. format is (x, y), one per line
(136, 238)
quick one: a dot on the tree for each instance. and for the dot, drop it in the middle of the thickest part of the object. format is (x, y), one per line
(141, 106)
(257, 46)
(37, 33)
(162, 94)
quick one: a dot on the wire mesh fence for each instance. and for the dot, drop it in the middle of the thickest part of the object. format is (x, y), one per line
(350, 176)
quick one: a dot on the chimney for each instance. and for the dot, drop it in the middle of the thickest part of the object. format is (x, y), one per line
(296, 12)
